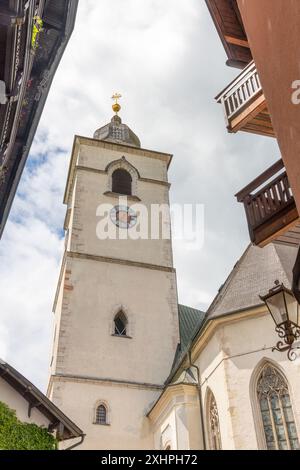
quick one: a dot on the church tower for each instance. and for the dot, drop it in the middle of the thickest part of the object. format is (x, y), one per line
(116, 311)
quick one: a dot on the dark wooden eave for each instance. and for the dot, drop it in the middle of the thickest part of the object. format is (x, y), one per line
(229, 24)
(26, 75)
(65, 428)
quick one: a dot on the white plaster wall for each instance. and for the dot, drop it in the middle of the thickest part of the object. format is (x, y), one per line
(128, 428)
(194, 425)
(58, 326)
(96, 291)
(91, 188)
(16, 402)
(98, 157)
(178, 423)
(182, 427)
(165, 432)
(213, 377)
(69, 240)
(92, 291)
(243, 344)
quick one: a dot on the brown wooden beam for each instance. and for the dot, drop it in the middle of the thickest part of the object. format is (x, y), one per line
(237, 41)
(276, 227)
(249, 113)
(259, 131)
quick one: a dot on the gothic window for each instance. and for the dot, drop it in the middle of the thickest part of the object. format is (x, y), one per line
(121, 182)
(213, 424)
(276, 411)
(101, 414)
(120, 324)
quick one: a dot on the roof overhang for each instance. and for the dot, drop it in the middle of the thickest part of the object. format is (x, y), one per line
(208, 329)
(66, 429)
(229, 24)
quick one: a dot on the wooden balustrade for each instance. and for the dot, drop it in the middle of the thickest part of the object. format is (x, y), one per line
(269, 204)
(245, 105)
(241, 91)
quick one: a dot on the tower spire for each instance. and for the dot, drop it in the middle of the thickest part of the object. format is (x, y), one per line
(116, 131)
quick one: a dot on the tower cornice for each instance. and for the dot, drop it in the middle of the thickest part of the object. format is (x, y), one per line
(80, 140)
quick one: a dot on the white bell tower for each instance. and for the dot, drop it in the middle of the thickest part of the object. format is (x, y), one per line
(116, 312)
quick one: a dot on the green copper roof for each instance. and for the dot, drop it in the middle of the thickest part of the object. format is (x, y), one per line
(190, 320)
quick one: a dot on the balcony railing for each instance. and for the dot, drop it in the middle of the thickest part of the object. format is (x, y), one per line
(241, 91)
(270, 208)
(244, 104)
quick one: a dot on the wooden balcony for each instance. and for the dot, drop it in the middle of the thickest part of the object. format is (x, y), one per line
(245, 105)
(270, 208)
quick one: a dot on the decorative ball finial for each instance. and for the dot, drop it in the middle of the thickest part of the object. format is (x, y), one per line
(116, 106)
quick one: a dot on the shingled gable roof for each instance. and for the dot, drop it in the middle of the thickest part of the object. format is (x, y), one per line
(252, 275)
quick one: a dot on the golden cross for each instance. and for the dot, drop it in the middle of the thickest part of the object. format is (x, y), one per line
(116, 97)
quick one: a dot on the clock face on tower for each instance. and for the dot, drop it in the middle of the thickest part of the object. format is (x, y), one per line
(123, 217)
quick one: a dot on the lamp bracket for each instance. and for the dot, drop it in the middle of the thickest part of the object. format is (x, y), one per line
(281, 347)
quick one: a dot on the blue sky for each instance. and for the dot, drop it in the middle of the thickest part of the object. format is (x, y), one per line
(168, 62)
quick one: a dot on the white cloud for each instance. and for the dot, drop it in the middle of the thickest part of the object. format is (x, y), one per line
(168, 62)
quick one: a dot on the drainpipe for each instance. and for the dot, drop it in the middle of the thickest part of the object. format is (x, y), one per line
(77, 443)
(200, 401)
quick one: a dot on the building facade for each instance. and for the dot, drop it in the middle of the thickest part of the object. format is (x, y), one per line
(230, 391)
(261, 37)
(133, 368)
(116, 310)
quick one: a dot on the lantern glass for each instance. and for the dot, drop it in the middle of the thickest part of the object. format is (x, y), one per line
(277, 307)
(292, 307)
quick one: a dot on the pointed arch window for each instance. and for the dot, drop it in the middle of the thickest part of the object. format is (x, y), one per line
(213, 423)
(122, 182)
(276, 410)
(101, 414)
(120, 324)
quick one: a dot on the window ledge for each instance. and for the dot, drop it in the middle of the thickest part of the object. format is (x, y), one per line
(118, 195)
(122, 336)
(101, 424)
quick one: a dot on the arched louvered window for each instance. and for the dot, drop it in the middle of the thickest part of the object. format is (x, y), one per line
(101, 414)
(213, 423)
(276, 410)
(122, 182)
(120, 324)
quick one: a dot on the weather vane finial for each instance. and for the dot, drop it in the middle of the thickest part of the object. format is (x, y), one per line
(116, 106)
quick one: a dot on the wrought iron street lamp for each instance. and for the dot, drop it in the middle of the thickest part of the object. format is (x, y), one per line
(284, 310)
